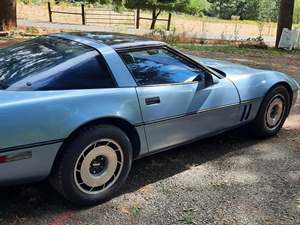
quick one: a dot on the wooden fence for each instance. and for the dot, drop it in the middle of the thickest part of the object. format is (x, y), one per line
(139, 18)
(51, 12)
(102, 16)
(98, 16)
(107, 17)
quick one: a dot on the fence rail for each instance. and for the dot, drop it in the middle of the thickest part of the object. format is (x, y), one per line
(104, 16)
(51, 12)
(139, 18)
(107, 16)
(98, 16)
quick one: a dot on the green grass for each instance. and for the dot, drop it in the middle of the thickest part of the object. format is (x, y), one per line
(188, 217)
(218, 20)
(136, 210)
(236, 50)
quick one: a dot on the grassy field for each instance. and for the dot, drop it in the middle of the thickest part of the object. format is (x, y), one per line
(237, 50)
(180, 22)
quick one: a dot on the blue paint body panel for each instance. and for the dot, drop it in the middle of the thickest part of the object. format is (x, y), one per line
(187, 111)
(251, 83)
(180, 115)
(32, 117)
(35, 168)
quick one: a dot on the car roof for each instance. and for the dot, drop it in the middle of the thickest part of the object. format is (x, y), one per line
(117, 41)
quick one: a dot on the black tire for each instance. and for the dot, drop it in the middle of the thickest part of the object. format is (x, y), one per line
(64, 178)
(260, 127)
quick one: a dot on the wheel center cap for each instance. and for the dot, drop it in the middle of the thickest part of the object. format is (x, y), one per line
(98, 165)
(274, 112)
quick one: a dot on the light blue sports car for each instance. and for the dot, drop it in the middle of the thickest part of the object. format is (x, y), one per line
(78, 108)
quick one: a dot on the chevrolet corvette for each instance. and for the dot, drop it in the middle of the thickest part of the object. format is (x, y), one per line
(78, 108)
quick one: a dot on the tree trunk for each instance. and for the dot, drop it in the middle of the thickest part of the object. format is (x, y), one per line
(285, 19)
(220, 8)
(8, 14)
(154, 18)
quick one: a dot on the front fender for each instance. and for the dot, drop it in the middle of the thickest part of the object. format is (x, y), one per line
(251, 83)
(256, 85)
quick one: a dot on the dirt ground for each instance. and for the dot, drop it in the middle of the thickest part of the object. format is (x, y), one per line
(228, 179)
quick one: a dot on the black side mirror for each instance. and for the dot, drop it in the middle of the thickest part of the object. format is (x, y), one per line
(200, 77)
(208, 79)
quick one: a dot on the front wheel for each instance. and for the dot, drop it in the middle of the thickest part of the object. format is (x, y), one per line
(272, 113)
(93, 165)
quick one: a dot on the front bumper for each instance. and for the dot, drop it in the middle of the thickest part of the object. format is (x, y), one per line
(27, 165)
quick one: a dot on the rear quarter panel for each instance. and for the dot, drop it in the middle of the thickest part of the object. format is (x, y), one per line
(32, 117)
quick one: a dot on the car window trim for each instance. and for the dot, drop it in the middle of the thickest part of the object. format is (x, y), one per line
(169, 49)
(194, 62)
(119, 70)
(101, 57)
(175, 52)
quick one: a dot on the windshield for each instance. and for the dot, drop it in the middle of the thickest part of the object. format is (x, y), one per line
(24, 59)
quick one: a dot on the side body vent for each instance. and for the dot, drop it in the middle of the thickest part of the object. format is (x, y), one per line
(246, 112)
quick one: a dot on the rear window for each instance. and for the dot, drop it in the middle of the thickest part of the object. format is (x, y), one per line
(88, 73)
(22, 60)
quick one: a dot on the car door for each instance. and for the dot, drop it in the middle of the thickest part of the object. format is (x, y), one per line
(180, 101)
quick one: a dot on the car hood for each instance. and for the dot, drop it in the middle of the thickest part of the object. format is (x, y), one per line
(250, 82)
(228, 69)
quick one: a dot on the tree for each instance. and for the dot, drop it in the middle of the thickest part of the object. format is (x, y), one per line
(246, 9)
(157, 6)
(285, 17)
(8, 14)
(297, 11)
(196, 7)
(221, 8)
(224, 9)
(268, 10)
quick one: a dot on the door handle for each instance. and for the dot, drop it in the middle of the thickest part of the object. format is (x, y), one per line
(152, 101)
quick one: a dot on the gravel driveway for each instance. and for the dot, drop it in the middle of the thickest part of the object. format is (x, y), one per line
(228, 179)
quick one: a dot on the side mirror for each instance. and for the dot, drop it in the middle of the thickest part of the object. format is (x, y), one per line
(200, 78)
(208, 79)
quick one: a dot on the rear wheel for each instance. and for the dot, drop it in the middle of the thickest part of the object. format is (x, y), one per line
(272, 114)
(93, 166)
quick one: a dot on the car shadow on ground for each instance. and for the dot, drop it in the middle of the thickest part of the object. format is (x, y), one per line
(31, 201)
(169, 163)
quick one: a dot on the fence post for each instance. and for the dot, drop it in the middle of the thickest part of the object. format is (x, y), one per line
(83, 14)
(169, 22)
(137, 18)
(49, 12)
(109, 16)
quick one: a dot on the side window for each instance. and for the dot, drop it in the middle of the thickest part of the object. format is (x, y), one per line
(90, 74)
(159, 66)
